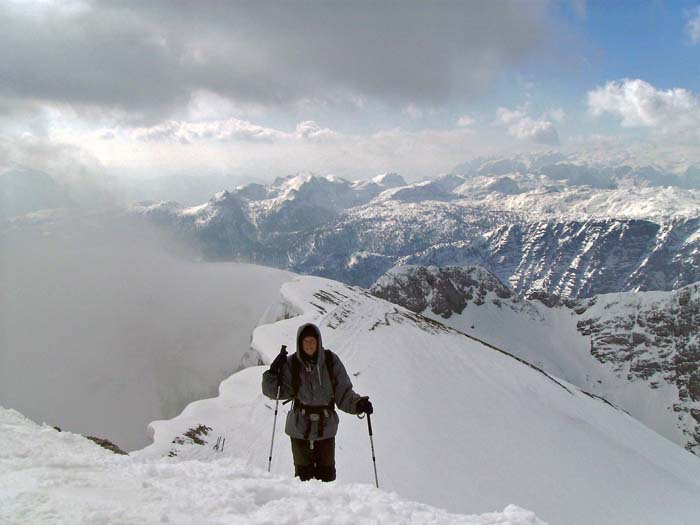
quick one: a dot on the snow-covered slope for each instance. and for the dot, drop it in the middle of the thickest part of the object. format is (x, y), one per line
(50, 477)
(640, 351)
(103, 327)
(457, 424)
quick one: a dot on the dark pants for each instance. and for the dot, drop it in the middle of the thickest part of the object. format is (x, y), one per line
(318, 462)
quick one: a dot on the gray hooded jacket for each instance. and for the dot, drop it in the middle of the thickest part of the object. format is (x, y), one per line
(315, 389)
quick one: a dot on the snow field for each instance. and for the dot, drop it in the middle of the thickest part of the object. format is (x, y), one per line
(51, 477)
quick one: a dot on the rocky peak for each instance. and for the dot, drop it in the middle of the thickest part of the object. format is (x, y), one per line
(443, 290)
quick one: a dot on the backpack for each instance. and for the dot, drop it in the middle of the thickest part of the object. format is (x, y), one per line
(295, 368)
(309, 412)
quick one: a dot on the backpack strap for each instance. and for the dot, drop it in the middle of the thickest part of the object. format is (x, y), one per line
(329, 357)
(295, 369)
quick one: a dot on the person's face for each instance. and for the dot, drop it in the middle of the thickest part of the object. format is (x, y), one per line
(309, 345)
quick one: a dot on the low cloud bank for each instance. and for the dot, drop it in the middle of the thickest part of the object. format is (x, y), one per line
(105, 325)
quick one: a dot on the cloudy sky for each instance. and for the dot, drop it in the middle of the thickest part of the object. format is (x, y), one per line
(259, 89)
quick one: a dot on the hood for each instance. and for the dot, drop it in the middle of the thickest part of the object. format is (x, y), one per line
(320, 351)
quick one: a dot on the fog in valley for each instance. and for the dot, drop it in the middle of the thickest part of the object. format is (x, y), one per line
(106, 325)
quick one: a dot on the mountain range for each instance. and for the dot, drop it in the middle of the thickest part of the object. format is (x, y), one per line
(548, 226)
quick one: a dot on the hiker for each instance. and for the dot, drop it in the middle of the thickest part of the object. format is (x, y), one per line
(316, 380)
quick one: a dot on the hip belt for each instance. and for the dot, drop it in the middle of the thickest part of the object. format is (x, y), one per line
(314, 414)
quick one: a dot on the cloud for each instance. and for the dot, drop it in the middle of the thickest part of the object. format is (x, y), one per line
(524, 127)
(508, 116)
(465, 121)
(308, 145)
(692, 27)
(557, 115)
(226, 130)
(76, 171)
(413, 111)
(640, 104)
(113, 324)
(311, 130)
(148, 59)
(217, 130)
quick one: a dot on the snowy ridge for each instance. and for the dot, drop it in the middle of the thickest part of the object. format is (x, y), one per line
(54, 477)
(457, 424)
(638, 350)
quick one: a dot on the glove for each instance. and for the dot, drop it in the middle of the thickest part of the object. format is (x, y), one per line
(279, 361)
(364, 406)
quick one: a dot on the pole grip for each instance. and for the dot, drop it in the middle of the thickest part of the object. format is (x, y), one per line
(283, 350)
(369, 423)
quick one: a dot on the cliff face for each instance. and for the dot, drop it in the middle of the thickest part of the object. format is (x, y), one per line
(640, 351)
(444, 291)
(652, 338)
(583, 259)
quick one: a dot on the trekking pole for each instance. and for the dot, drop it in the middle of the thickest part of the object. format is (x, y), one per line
(274, 424)
(371, 442)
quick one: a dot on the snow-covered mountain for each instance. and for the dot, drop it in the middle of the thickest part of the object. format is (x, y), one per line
(641, 351)
(457, 423)
(582, 259)
(588, 168)
(537, 232)
(306, 200)
(540, 197)
(50, 477)
(566, 224)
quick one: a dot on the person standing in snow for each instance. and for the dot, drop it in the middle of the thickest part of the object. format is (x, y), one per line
(315, 379)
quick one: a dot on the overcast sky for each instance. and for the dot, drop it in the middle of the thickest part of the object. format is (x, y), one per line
(260, 89)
